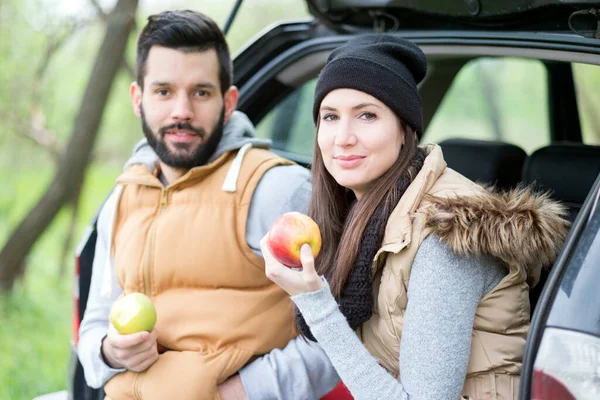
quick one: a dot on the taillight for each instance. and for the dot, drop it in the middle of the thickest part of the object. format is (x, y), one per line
(567, 366)
(75, 313)
(547, 387)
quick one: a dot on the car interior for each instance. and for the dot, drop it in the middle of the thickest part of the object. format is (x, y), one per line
(559, 163)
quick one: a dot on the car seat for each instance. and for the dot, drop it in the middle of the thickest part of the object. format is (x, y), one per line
(488, 162)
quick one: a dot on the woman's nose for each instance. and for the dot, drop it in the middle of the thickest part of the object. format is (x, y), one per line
(344, 135)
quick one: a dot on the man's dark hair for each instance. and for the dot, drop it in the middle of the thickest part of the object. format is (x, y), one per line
(187, 31)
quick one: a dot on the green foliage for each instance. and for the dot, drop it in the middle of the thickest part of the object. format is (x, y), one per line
(36, 318)
(520, 89)
(32, 335)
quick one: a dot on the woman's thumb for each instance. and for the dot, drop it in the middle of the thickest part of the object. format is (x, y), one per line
(306, 257)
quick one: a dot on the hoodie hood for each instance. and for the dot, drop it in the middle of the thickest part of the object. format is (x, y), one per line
(237, 132)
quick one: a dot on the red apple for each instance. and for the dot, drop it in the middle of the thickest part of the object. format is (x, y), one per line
(287, 235)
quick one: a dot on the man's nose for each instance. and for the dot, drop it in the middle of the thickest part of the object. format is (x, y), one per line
(182, 110)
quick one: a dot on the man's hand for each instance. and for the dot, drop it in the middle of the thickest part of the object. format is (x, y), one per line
(135, 352)
(233, 389)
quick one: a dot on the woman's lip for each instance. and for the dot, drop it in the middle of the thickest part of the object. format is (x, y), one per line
(348, 157)
(349, 162)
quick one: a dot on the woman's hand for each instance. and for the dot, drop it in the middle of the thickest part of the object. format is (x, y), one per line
(293, 281)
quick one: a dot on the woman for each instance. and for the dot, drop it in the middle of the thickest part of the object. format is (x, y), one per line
(421, 288)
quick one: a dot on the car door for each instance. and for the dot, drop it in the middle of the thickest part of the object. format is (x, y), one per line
(563, 350)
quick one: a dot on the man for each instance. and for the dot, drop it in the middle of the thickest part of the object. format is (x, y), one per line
(185, 228)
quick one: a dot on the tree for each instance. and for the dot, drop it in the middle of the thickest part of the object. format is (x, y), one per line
(72, 165)
(490, 94)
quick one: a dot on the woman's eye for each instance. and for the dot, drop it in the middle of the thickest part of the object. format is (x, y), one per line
(329, 117)
(368, 116)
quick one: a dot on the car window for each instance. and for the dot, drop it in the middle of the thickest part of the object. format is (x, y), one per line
(486, 101)
(587, 85)
(290, 125)
(495, 99)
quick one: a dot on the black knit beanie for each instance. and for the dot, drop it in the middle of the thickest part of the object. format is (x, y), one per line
(384, 66)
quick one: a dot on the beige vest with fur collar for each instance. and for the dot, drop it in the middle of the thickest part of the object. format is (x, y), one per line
(441, 200)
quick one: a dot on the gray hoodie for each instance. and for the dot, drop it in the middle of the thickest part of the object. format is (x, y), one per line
(302, 367)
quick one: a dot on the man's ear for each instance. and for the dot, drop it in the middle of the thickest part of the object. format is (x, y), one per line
(231, 98)
(135, 91)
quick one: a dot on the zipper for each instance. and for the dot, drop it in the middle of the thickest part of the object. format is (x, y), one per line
(151, 240)
(164, 196)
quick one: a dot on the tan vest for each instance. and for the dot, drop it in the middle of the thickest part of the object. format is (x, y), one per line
(185, 246)
(501, 319)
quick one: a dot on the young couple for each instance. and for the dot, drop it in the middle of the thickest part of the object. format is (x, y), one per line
(420, 290)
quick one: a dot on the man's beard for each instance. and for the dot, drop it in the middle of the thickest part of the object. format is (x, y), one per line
(185, 159)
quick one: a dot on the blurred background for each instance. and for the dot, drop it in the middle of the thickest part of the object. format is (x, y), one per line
(49, 49)
(63, 124)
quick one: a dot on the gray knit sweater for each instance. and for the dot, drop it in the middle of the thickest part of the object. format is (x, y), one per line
(443, 293)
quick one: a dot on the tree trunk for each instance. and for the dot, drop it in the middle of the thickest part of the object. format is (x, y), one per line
(71, 168)
(589, 106)
(490, 93)
(69, 235)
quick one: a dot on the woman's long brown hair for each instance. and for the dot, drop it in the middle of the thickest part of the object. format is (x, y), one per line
(342, 219)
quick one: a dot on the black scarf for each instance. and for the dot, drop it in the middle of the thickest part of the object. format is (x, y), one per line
(356, 301)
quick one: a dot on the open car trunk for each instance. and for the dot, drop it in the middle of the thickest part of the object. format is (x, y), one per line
(351, 16)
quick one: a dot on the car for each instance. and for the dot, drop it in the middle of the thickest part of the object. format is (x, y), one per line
(509, 96)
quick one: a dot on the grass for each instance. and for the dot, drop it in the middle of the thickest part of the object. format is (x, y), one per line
(35, 327)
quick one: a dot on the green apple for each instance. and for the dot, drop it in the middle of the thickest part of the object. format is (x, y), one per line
(133, 313)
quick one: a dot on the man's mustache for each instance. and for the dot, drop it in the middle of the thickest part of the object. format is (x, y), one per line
(183, 126)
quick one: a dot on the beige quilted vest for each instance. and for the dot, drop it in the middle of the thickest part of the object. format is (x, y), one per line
(502, 317)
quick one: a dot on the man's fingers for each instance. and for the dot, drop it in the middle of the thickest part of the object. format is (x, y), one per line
(139, 358)
(142, 362)
(147, 363)
(128, 341)
(143, 347)
(153, 337)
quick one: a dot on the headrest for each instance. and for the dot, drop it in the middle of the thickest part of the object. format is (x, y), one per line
(568, 170)
(490, 162)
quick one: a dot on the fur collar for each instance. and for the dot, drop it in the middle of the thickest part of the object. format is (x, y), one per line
(518, 227)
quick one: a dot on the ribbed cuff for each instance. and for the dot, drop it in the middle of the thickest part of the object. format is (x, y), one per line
(316, 306)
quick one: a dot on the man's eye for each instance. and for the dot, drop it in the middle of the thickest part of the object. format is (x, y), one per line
(162, 92)
(201, 93)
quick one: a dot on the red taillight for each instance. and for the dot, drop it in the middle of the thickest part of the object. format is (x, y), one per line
(547, 387)
(567, 366)
(340, 392)
(75, 312)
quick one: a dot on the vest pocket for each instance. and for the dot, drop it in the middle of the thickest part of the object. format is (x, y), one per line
(480, 387)
(190, 375)
(491, 386)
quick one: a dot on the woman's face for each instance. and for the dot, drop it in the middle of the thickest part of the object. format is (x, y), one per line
(359, 138)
